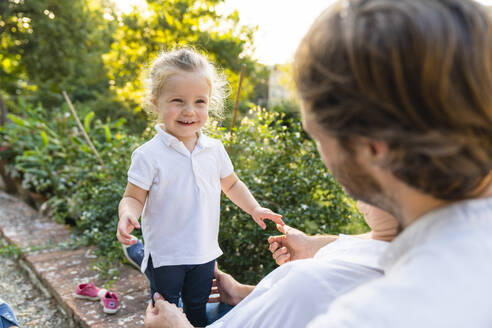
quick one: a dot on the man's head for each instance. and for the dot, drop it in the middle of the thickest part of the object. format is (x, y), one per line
(410, 83)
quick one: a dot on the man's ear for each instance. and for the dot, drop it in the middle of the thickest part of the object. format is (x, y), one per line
(372, 151)
(379, 151)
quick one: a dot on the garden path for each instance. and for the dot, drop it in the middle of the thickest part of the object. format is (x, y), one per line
(44, 250)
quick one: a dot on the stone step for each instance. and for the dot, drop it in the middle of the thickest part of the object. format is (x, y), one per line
(46, 254)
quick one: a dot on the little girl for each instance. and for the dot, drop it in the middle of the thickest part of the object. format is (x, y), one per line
(175, 181)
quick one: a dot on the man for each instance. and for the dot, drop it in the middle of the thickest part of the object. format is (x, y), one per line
(397, 93)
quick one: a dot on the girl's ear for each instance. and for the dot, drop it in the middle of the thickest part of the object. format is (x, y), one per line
(154, 103)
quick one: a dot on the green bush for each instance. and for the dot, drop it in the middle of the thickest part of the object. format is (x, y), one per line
(270, 152)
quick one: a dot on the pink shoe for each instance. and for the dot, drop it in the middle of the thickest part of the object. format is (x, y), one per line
(110, 302)
(90, 292)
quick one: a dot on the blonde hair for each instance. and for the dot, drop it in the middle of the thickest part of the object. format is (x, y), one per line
(184, 60)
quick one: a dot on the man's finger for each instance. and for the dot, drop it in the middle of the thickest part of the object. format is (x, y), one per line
(216, 268)
(276, 239)
(273, 247)
(280, 251)
(160, 305)
(217, 271)
(283, 259)
(214, 299)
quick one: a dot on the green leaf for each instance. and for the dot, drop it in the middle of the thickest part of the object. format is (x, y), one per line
(107, 132)
(119, 123)
(17, 120)
(46, 141)
(87, 121)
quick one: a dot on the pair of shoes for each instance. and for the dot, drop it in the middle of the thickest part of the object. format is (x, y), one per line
(134, 253)
(109, 300)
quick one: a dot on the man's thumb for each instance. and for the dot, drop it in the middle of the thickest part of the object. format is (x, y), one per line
(159, 303)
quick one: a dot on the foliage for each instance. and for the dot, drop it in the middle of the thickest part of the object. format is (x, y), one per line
(48, 152)
(48, 46)
(272, 155)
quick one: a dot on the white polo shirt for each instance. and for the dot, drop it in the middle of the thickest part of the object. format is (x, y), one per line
(296, 292)
(438, 273)
(180, 219)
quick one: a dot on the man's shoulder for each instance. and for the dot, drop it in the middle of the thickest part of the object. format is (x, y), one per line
(425, 288)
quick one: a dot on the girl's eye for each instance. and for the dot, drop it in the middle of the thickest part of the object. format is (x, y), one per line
(177, 100)
(201, 101)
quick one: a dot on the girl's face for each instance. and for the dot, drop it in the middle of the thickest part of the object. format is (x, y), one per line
(183, 104)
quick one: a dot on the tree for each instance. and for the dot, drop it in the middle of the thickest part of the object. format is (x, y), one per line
(48, 45)
(166, 24)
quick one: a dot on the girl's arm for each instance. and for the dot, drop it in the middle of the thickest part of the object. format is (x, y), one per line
(240, 195)
(129, 211)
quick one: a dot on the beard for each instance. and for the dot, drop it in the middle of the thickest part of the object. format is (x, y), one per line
(359, 184)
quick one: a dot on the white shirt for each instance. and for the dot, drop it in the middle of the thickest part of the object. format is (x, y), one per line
(294, 293)
(180, 219)
(438, 273)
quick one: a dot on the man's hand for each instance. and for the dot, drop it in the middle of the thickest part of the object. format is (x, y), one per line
(259, 214)
(227, 289)
(165, 315)
(292, 245)
(126, 224)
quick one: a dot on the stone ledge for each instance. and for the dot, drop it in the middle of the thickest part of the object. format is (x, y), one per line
(60, 270)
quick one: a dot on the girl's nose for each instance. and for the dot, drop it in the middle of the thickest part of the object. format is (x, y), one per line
(188, 109)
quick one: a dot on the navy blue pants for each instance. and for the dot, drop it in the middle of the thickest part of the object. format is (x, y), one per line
(190, 282)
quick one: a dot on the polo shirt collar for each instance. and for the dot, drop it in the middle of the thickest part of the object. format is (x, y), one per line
(169, 139)
(431, 225)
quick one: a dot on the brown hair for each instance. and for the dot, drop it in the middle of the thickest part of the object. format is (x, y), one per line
(416, 74)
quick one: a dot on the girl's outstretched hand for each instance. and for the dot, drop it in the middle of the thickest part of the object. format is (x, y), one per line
(259, 214)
